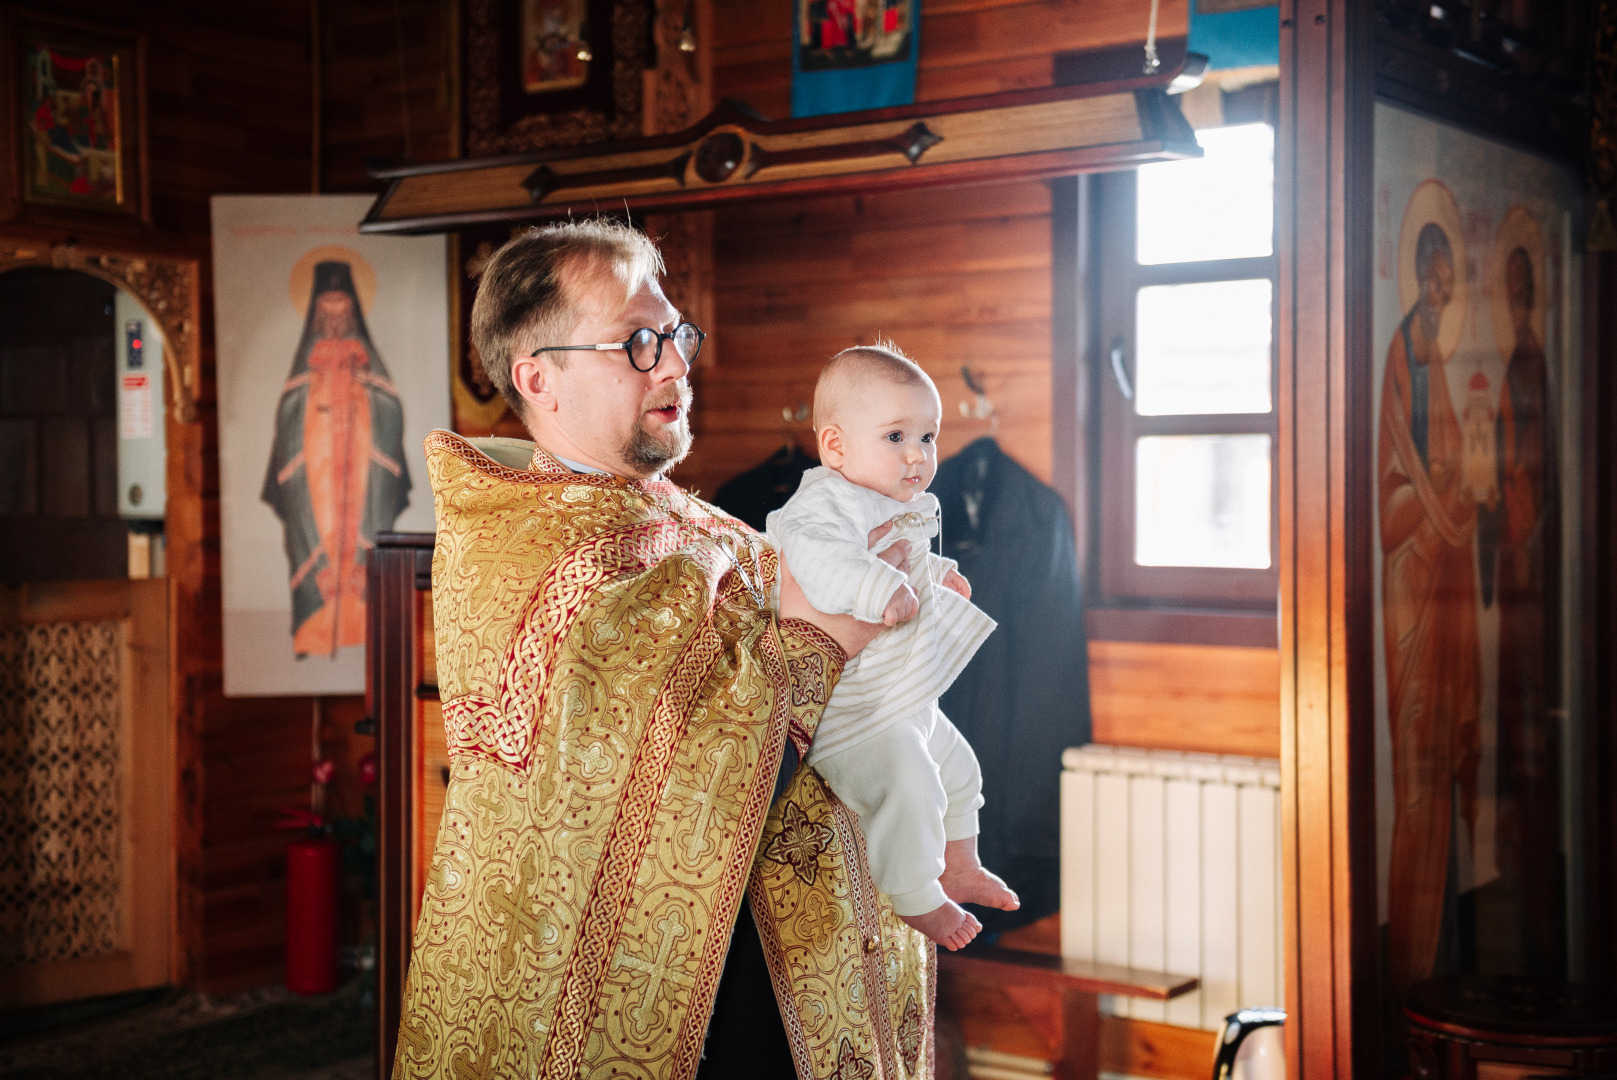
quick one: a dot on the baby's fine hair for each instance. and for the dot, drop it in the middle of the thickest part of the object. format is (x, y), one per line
(844, 373)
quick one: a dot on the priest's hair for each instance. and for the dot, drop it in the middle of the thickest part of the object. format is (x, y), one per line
(528, 294)
(851, 370)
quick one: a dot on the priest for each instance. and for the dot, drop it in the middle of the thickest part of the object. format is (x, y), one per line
(626, 838)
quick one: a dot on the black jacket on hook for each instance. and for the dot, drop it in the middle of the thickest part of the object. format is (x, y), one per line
(764, 487)
(1024, 698)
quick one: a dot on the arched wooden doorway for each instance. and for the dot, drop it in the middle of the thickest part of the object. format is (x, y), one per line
(93, 735)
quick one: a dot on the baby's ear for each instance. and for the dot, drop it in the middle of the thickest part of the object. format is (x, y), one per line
(831, 449)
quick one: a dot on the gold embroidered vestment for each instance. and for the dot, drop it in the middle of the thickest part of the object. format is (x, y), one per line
(616, 699)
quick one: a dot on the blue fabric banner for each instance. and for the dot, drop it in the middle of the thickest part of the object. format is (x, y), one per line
(1236, 39)
(853, 54)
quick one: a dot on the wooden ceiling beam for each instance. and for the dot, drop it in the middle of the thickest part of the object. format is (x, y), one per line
(733, 155)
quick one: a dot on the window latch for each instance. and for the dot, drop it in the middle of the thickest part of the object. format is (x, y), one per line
(1119, 372)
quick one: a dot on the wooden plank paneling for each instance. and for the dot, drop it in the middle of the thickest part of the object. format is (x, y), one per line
(385, 89)
(952, 280)
(1215, 699)
(967, 46)
(228, 99)
(954, 277)
(229, 110)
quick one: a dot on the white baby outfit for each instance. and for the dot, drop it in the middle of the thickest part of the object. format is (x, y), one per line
(882, 744)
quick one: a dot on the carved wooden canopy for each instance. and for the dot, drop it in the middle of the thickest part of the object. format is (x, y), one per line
(734, 155)
(166, 287)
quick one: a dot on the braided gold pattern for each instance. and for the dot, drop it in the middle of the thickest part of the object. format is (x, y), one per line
(845, 965)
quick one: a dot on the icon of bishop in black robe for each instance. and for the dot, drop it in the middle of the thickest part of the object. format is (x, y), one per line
(337, 473)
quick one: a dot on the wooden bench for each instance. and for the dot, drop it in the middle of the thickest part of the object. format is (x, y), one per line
(1071, 1025)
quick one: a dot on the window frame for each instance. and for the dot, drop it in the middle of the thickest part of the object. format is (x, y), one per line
(1116, 580)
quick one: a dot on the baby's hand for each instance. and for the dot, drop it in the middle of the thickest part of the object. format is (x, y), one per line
(902, 606)
(956, 583)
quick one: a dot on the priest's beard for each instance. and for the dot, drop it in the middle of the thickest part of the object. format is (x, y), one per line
(658, 450)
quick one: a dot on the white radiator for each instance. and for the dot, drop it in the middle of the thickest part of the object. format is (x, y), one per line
(1171, 861)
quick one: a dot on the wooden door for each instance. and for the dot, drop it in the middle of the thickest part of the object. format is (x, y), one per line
(86, 790)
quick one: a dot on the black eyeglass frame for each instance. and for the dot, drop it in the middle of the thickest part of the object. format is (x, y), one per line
(627, 346)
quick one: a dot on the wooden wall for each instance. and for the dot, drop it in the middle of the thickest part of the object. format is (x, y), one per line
(257, 751)
(366, 50)
(228, 91)
(956, 277)
(1221, 699)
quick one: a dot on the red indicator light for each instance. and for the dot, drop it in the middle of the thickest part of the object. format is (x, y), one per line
(135, 344)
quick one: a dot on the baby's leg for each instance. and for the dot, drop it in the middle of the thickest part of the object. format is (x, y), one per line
(890, 782)
(964, 877)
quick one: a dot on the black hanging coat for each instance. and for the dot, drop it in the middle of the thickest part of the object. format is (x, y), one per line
(765, 487)
(1024, 698)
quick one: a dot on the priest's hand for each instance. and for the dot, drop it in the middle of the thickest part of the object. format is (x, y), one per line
(899, 555)
(847, 631)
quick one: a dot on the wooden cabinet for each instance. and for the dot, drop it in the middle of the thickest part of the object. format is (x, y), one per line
(412, 762)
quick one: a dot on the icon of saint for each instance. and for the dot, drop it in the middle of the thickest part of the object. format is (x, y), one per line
(1527, 539)
(337, 473)
(1428, 515)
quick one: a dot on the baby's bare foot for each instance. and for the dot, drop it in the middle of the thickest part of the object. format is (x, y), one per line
(966, 880)
(950, 925)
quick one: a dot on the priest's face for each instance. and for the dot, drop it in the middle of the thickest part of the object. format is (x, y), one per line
(597, 409)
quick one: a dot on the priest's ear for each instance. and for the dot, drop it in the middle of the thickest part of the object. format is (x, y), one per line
(531, 379)
(833, 451)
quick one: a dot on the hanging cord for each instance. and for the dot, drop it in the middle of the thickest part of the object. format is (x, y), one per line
(1151, 61)
(404, 94)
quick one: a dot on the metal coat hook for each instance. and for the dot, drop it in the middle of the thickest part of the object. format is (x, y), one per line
(1152, 63)
(983, 407)
(789, 415)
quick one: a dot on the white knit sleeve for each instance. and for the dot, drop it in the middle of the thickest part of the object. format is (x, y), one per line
(825, 542)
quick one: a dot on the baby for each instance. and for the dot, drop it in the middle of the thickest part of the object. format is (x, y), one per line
(882, 744)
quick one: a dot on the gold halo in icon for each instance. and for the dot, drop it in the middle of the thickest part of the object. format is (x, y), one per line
(302, 279)
(1519, 229)
(1432, 204)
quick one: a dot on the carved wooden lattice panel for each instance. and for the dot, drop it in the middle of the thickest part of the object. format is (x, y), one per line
(61, 838)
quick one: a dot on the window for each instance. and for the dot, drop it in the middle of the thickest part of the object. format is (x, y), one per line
(1186, 422)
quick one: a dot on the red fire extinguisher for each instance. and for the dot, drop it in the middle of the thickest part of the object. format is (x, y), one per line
(311, 915)
(313, 871)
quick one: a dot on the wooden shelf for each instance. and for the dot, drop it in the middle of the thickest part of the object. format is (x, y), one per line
(734, 155)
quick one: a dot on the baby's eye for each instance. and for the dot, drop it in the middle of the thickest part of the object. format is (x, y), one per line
(928, 437)
(895, 436)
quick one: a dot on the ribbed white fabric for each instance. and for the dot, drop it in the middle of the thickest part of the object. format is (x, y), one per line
(914, 786)
(823, 531)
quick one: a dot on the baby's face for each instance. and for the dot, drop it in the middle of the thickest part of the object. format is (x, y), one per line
(890, 439)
